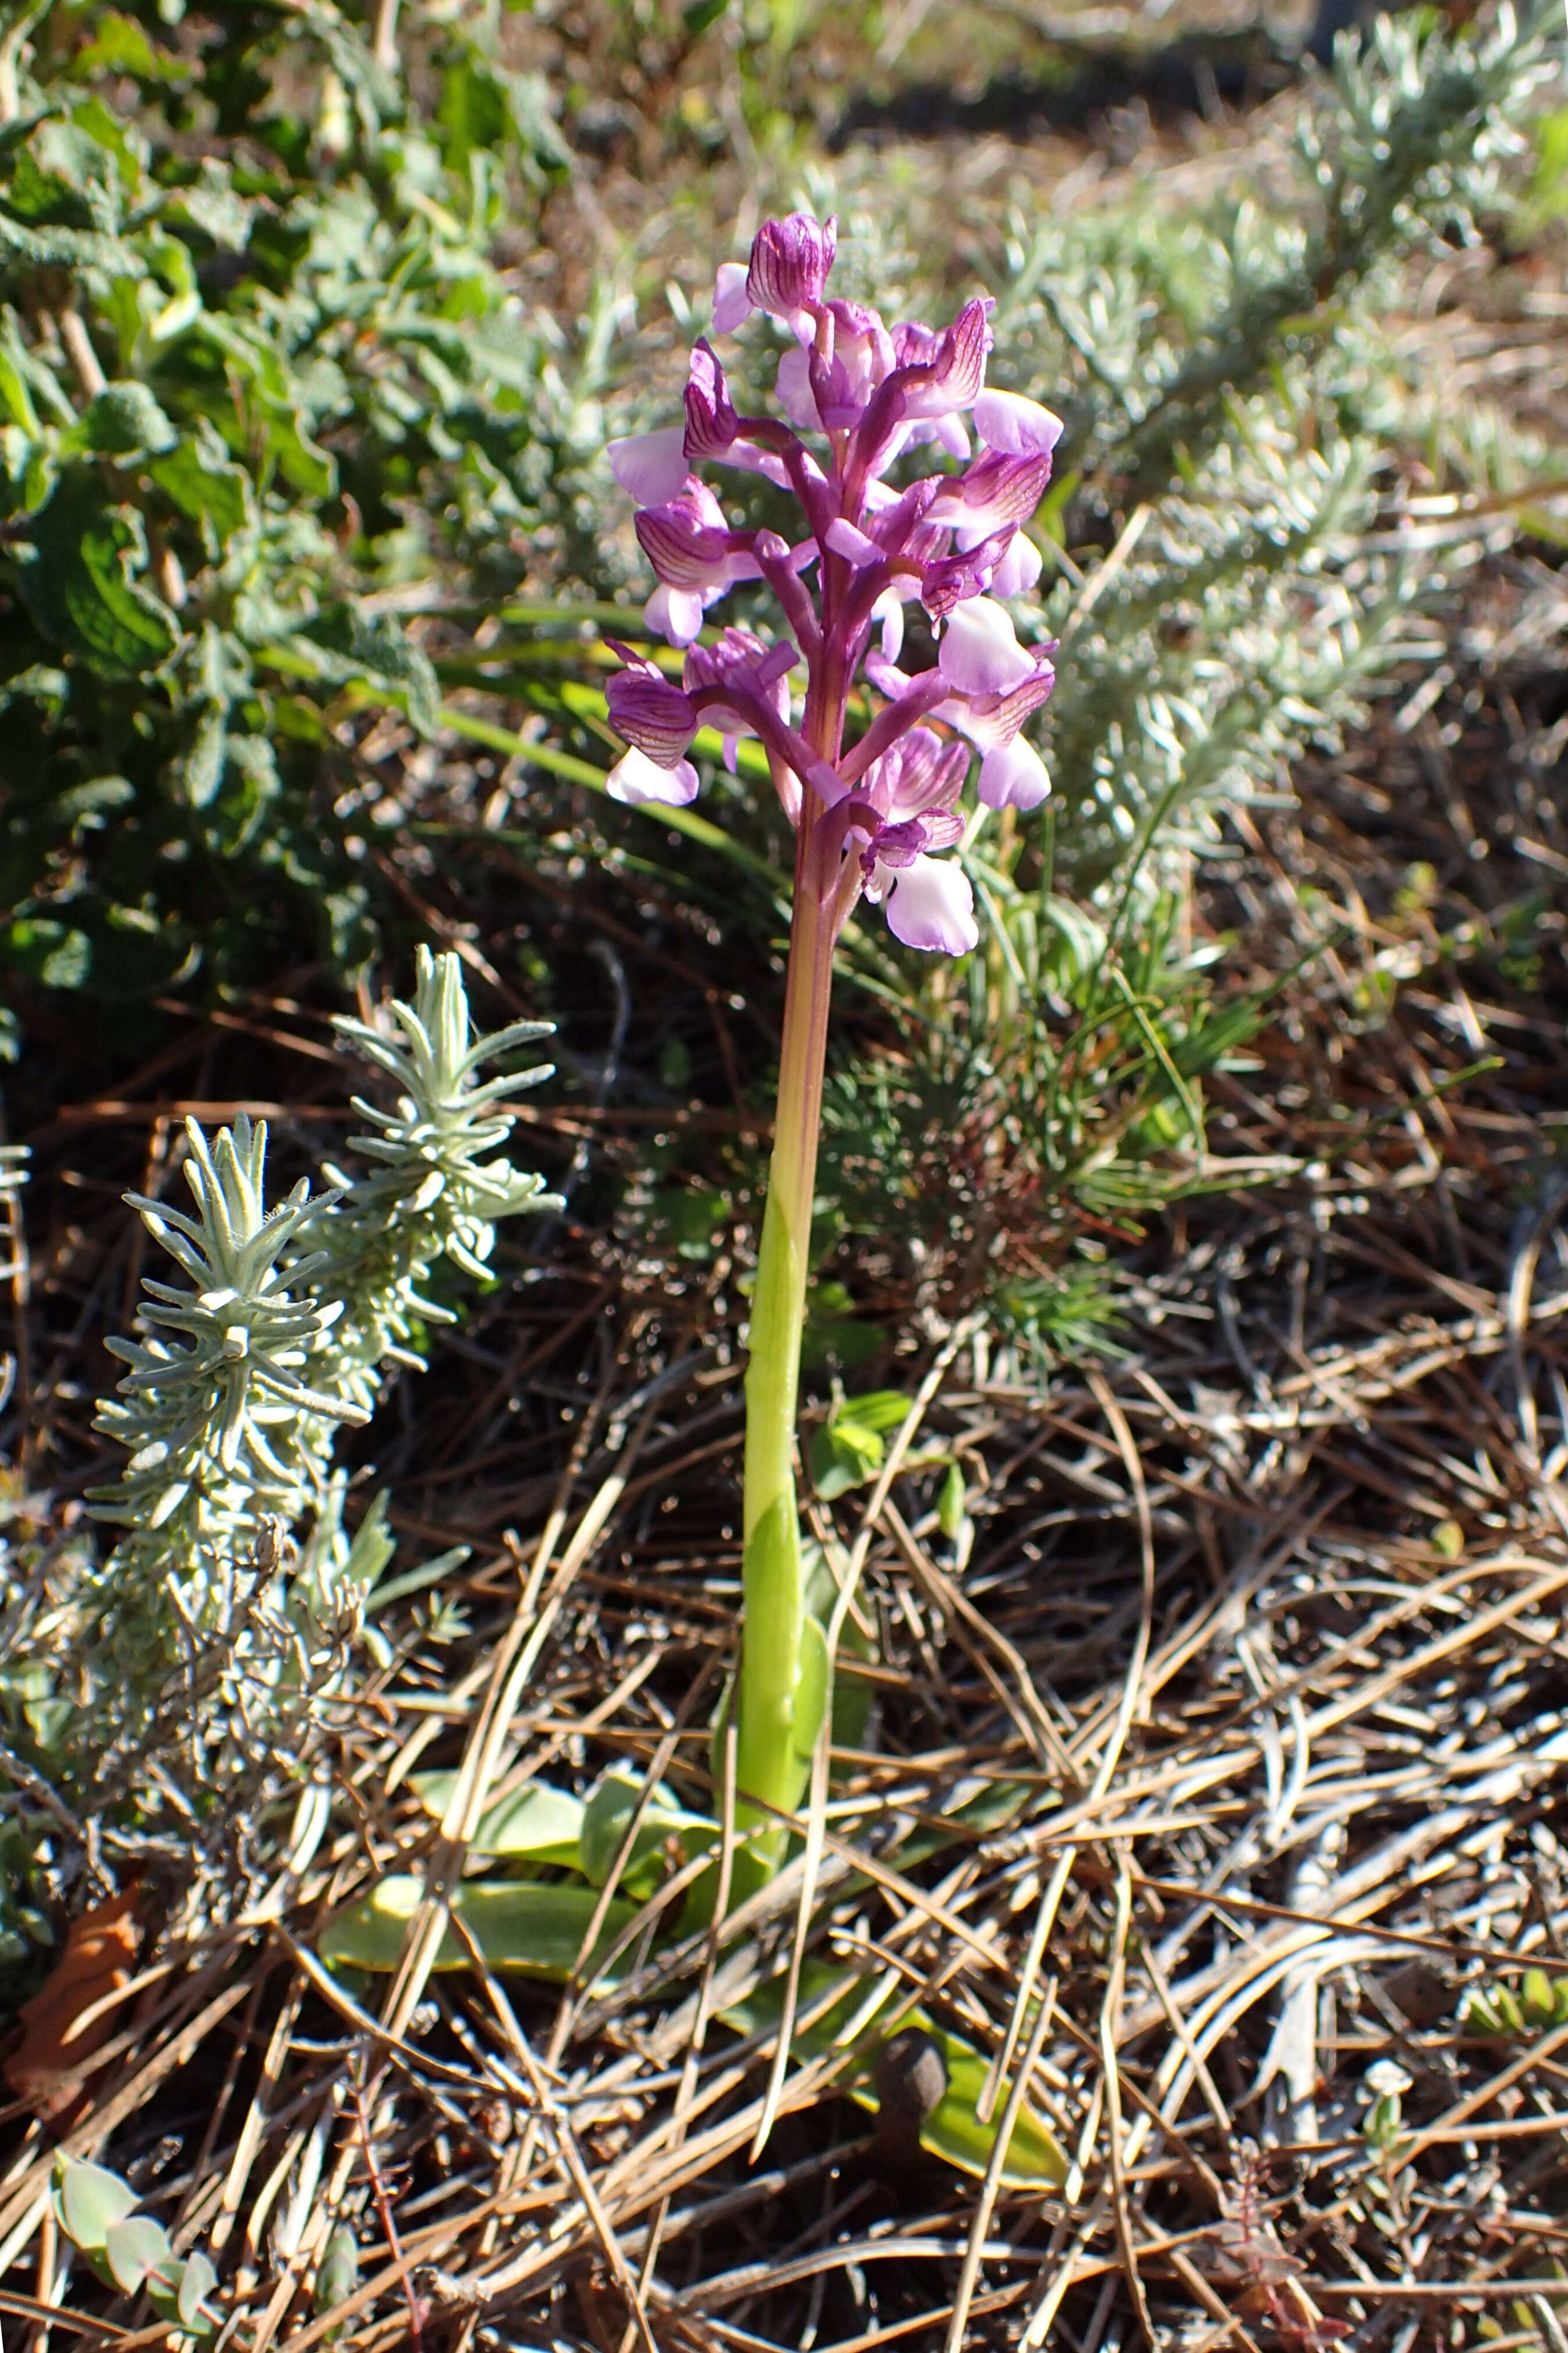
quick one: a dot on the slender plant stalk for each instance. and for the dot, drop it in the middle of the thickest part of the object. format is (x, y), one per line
(774, 1742)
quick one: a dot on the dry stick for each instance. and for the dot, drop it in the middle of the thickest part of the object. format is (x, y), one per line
(1178, 2026)
(83, 2324)
(31, 2194)
(1229, 2326)
(49, 2251)
(1044, 1919)
(84, 360)
(509, 1669)
(548, 2108)
(513, 1663)
(560, 2033)
(1028, 1710)
(684, 2095)
(181, 2233)
(985, 2205)
(1037, 2327)
(248, 2147)
(383, 2209)
(1110, 2021)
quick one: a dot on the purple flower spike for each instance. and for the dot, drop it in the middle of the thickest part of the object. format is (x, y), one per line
(877, 813)
(789, 262)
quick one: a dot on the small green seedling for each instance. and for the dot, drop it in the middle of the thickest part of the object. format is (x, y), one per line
(96, 2211)
(1541, 2001)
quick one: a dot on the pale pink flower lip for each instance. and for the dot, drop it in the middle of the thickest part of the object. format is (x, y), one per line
(635, 779)
(1017, 427)
(980, 650)
(651, 466)
(930, 905)
(1013, 776)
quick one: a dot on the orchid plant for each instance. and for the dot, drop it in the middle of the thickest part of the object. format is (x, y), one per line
(870, 777)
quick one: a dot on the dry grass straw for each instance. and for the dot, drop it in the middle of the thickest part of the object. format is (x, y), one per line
(1256, 1655)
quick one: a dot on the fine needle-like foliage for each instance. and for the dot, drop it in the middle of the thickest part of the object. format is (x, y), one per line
(234, 1589)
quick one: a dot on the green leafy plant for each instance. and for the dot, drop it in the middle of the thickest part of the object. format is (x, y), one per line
(247, 396)
(96, 2211)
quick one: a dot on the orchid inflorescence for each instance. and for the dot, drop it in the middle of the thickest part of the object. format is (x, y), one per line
(868, 816)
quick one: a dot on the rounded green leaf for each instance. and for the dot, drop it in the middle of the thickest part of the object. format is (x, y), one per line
(138, 2249)
(89, 2200)
(197, 2282)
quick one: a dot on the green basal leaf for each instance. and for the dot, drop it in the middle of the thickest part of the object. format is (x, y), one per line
(952, 2130)
(606, 1816)
(520, 1926)
(535, 1822)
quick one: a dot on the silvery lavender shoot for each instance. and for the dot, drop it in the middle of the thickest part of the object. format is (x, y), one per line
(234, 1591)
(872, 815)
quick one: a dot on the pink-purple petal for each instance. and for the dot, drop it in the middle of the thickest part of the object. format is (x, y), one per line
(732, 306)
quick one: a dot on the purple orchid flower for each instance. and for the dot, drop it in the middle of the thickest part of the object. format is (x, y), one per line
(875, 810)
(857, 395)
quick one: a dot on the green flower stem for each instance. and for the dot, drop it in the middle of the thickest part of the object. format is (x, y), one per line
(782, 1681)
